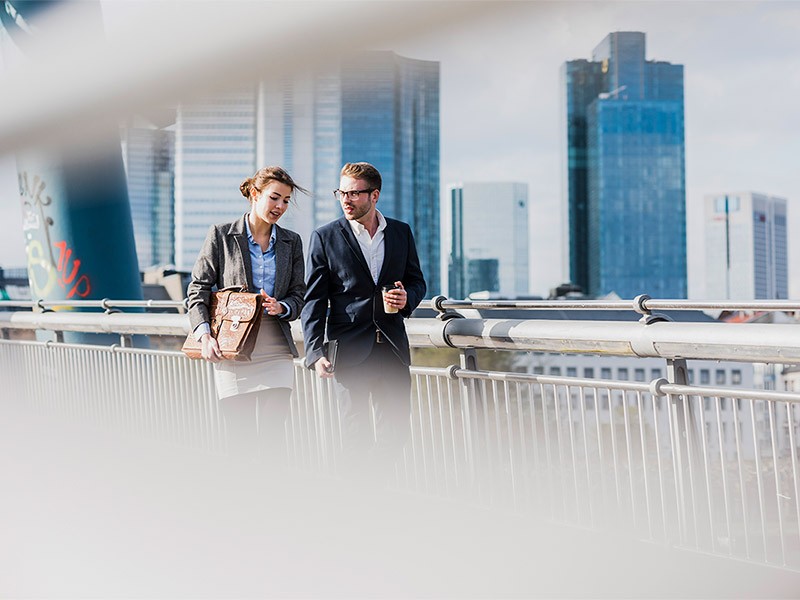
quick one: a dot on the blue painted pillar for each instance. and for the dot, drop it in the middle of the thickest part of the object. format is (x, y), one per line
(77, 218)
(78, 227)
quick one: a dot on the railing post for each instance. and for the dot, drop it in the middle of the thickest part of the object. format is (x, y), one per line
(468, 360)
(686, 449)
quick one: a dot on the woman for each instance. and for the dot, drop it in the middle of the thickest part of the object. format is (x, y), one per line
(258, 254)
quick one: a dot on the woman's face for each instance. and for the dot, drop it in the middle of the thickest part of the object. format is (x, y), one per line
(272, 202)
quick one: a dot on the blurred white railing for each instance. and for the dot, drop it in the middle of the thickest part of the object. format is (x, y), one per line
(711, 469)
(651, 336)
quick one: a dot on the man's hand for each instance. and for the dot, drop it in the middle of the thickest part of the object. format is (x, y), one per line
(322, 367)
(398, 297)
(210, 351)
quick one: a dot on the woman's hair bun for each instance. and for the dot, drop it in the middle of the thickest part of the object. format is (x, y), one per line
(245, 187)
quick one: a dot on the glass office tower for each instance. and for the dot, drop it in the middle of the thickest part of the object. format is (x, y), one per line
(148, 152)
(377, 107)
(625, 182)
(488, 239)
(390, 118)
(215, 150)
(746, 247)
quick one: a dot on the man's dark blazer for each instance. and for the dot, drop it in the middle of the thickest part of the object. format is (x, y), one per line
(338, 276)
(224, 261)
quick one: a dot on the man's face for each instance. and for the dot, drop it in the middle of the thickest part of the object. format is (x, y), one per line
(357, 206)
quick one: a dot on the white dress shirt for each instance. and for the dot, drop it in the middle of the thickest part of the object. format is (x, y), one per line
(371, 246)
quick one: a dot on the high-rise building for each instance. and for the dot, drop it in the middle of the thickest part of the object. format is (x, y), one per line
(390, 117)
(215, 150)
(625, 184)
(488, 239)
(746, 247)
(148, 153)
(376, 107)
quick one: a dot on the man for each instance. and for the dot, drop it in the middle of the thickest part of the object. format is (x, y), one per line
(349, 261)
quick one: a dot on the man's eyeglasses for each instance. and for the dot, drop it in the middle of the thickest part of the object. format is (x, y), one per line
(352, 194)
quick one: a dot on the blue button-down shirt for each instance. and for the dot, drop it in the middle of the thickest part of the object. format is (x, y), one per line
(263, 263)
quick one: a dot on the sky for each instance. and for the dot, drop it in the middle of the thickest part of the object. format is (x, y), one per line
(501, 108)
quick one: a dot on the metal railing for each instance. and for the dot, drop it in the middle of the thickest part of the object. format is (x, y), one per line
(646, 455)
(712, 469)
(642, 304)
(647, 337)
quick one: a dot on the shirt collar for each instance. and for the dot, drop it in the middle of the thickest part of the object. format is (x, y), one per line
(250, 237)
(359, 229)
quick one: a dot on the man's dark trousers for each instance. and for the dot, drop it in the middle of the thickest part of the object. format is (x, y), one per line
(373, 435)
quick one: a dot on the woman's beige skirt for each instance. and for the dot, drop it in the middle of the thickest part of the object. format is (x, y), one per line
(271, 365)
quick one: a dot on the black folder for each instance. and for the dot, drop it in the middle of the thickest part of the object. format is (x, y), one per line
(331, 348)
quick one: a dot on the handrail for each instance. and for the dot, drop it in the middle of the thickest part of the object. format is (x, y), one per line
(105, 304)
(657, 387)
(642, 304)
(738, 342)
(119, 323)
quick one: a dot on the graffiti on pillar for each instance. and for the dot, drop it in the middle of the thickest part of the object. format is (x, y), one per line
(68, 269)
(45, 271)
(41, 265)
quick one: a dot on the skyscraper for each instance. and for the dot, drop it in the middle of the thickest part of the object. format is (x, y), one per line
(390, 117)
(746, 247)
(215, 149)
(376, 107)
(148, 152)
(488, 239)
(625, 186)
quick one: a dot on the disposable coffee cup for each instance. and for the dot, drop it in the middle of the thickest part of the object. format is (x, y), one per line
(386, 307)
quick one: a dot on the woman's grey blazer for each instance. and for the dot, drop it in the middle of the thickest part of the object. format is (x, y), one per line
(224, 261)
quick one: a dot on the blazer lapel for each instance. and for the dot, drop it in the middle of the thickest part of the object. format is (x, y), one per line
(352, 242)
(283, 262)
(239, 234)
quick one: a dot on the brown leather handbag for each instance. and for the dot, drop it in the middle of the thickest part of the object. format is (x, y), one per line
(235, 319)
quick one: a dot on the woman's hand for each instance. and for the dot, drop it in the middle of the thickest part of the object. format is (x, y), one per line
(271, 305)
(210, 351)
